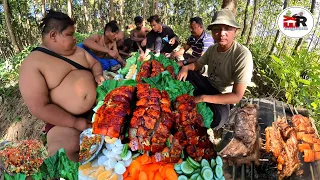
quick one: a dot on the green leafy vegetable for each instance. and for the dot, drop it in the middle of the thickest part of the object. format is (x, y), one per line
(59, 166)
(130, 61)
(206, 113)
(18, 176)
(109, 85)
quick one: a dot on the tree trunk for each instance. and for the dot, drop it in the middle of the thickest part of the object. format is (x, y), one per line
(121, 23)
(17, 47)
(314, 32)
(230, 4)
(282, 48)
(245, 19)
(43, 8)
(86, 17)
(252, 23)
(154, 7)
(297, 47)
(111, 11)
(285, 4)
(145, 8)
(101, 14)
(70, 8)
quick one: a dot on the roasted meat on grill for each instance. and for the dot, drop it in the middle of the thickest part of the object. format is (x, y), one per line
(310, 145)
(245, 129)
(152, 120)
(281, 140)
(110, 117)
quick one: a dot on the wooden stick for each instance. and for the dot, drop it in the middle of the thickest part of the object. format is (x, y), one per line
(274, 111)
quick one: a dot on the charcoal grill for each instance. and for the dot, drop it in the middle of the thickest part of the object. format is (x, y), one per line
(267, 170)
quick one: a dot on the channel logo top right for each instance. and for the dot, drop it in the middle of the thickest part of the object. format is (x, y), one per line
(295, 22)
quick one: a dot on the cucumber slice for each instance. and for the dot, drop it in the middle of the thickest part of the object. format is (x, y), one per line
(194, 176)
(218, 171)
(193, 163)
(197, 170)
(199, 178)
(179, 172)
(205, 167)
(177, 167)
(213, 163)
(207, 174)
(204, 162)
(186, 167)
(182, 177)
(219, 161)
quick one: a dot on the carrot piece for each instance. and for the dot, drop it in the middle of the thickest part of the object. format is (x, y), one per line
(162, 171)
(150, 175)
(136, 164)
(143, 176)
(308, 155)
(180, 161)
(143, 159)
(158, 176)
(134, 169)
(317, 155)
(129, 178)
(171, 174)
(316, 147)
(151, 167)
(126, 173)
(303, 146)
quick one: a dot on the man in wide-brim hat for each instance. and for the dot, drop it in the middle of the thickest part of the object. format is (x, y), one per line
(230, 69)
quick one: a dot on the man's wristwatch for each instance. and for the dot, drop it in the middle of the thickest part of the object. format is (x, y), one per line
(184, 62)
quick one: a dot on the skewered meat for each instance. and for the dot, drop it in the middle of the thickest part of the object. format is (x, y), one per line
(282, 141)
(189, 126)
(149, 69)
(310, 141)
(245, 133)
(152, 120)
(171, 154)
(110, 117)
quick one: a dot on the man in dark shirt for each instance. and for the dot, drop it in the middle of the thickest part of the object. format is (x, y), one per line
(161, 38)
(197, 43)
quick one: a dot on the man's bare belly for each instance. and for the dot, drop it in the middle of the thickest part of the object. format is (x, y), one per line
(76, 93)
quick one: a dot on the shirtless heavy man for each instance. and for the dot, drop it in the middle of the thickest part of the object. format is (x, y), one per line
(139, 34)
(104, 47)
(58, 84)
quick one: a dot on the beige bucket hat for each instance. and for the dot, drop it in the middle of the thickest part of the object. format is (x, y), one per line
(226, 17)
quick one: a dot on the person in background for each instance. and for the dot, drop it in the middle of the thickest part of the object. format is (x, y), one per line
(124, 45)
(104, 47)
(139, 34)
(230, 67)
(58, 81)
(161, 38)
(196, 45)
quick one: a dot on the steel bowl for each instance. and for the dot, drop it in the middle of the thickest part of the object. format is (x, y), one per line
(95, 148)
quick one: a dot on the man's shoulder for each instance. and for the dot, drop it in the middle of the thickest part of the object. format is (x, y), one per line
(241, 49)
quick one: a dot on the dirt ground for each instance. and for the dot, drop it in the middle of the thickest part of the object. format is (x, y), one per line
(16, 121)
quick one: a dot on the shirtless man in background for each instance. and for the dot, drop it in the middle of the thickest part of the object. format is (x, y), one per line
(139, 34)
(104, 47)
(57, 91)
